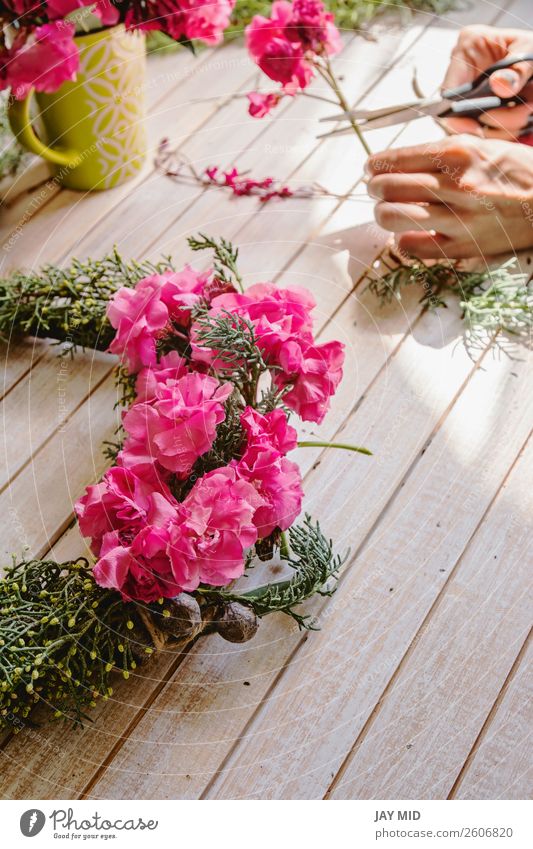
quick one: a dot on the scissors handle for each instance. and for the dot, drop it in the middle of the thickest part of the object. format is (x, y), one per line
(480, 86)
(477, 106)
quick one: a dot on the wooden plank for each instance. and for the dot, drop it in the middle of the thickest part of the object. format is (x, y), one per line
(436, 705)
(16, 359)
(189, 766)
(42, 402)
(499, 766)
(240, 650)
(38, 505)
(65, 215)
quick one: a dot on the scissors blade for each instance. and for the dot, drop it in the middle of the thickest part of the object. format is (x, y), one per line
(401, 115)
(366, 114)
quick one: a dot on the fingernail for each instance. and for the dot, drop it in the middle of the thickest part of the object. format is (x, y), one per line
(509, 79)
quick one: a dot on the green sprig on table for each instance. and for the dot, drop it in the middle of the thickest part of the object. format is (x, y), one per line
(493, 301)
(69, 305)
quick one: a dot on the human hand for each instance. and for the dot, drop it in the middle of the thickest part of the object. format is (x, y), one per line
(458, 197)
(477, 48)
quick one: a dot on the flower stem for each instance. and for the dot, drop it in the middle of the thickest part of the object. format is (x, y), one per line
(284, 549)
(326, 71)
(344, 445)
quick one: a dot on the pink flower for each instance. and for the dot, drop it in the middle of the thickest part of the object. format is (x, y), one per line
(271, 430)
(314, 27)
(181, 290)
(261, 104)
(123, 502)
(45, 60)
(146, 313)
(204, 20)
(263, 464)
(142, 571)
(139, 316)
(287, 46)
(169, 368)
(277, 315)
(283, 61)
(314, 371)
(209, 545)
(104, 9)
(261, 30)
(177, 426)
(279, 483)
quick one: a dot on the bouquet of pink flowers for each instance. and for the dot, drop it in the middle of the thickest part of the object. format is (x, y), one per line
(201, 484)
(37, 47)
(202, 475)
(294, 44)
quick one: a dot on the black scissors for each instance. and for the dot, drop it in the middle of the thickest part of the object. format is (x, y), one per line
(470, 100)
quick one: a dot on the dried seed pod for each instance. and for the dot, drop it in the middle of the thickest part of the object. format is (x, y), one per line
(238, 623)
(180, 616)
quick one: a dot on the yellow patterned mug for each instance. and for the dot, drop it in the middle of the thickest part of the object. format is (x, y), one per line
(94, 128)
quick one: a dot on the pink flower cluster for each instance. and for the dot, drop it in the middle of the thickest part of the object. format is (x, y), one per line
(308, 374)
(240, 184)
(163, 519)
(287, 45)
(43, 53)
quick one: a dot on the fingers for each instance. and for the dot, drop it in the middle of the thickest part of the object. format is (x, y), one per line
(410, 188)
(426, 245)
(511, 120)
(404, 159)
(510, 81)
(445, 156)
(457, 126)
(477, 48)
(404, 217)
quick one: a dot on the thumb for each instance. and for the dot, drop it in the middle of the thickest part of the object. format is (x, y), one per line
(510, 81)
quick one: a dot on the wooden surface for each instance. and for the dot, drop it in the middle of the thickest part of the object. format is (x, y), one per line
(417, 684)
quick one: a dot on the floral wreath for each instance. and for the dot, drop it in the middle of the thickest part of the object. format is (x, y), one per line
(200, 485)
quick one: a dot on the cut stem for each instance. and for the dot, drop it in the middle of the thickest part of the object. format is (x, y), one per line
(326, 71)
(309, 443)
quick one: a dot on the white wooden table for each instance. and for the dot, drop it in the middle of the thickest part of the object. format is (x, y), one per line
(417, 684)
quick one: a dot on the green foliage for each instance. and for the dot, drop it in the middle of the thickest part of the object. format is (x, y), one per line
(61, 635)
(225, 257)
(493, 301)
(70, 304)
(315, 566)
(11, 153)
(349, 14)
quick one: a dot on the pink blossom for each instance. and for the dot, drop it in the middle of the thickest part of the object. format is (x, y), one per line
(263, 464)
(283, 61)
(277, 53)
(169, 368)
(279, 483)
(314, 372)
(139, 316)
(313, 25)
(181, 290)
(271, 430)
(45, 60)
(141, 571)
(209, 545)
(123, 502)
(177, 426)
(261, 30)
(146, 313)
(204, 20)
(277, 315)
(262, 104)
(104, 9)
